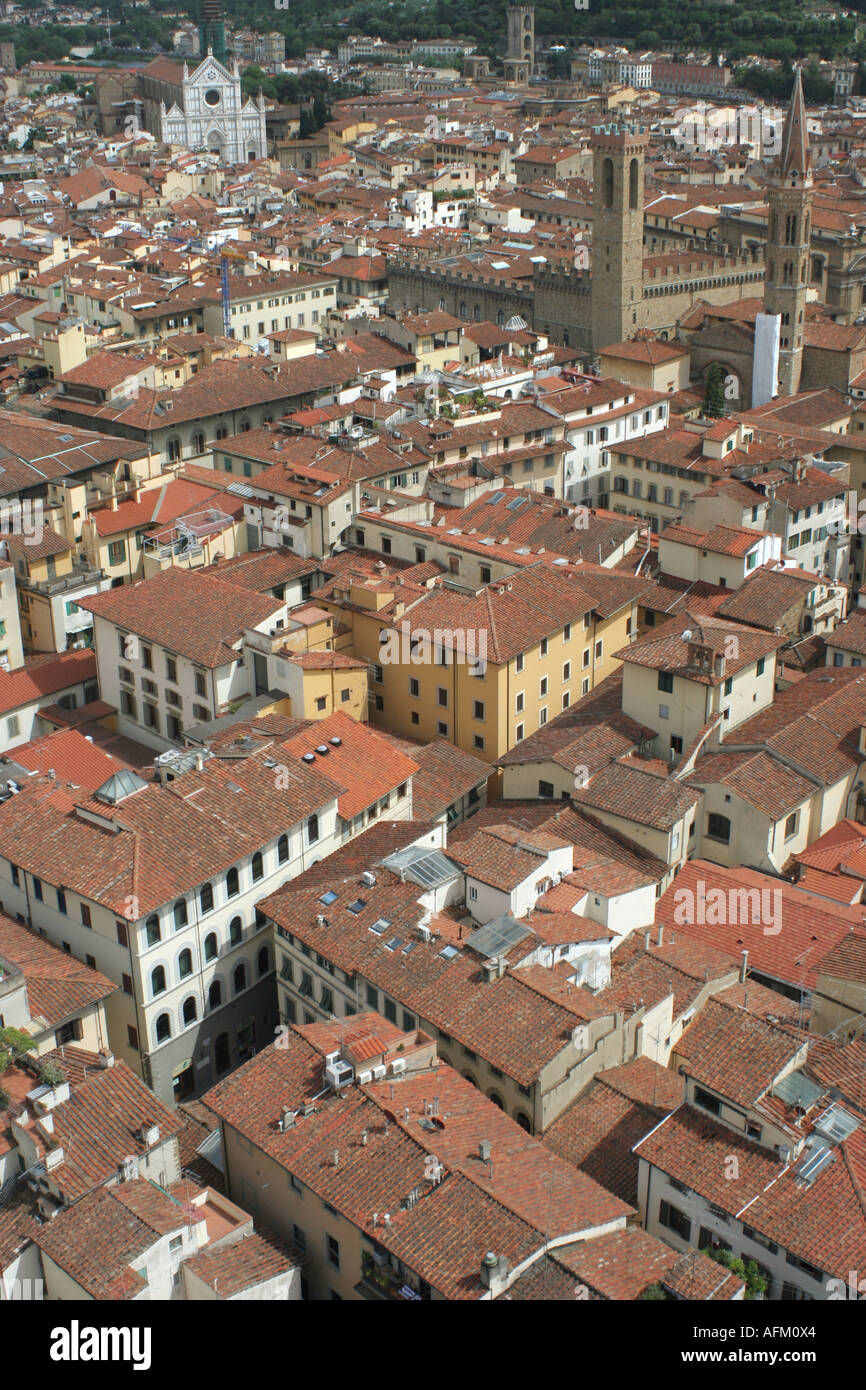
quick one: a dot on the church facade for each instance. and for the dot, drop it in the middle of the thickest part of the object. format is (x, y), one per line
(210, 112)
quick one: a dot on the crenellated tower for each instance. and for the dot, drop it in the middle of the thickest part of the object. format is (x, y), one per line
(617, 232)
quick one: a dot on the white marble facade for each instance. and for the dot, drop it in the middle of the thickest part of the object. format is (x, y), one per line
(214, 115)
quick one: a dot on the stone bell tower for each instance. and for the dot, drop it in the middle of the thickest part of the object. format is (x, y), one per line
(789, 195)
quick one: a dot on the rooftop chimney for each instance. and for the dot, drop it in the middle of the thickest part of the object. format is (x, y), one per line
(661, 940)
(744, 963)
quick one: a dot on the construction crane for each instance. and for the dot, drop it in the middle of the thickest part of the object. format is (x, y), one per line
(227, 254)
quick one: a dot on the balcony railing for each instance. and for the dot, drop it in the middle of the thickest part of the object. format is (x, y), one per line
(81, 575)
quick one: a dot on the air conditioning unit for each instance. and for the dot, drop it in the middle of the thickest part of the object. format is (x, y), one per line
(368, 879)
(150, 1135)
(379, 1073)
(339, 1074)
(129, 1169)
(398, 1065)
(364, 1078)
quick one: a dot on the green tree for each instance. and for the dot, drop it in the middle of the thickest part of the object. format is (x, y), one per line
(747, 1270)
(654, 1294)
(13, 1041)
(714, 395)
(321, 112)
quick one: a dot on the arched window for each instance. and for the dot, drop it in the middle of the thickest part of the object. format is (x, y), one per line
(500, 319)
(497, 1099)
(211, 948)
(151, 927)
(236, 931)
(232, 883)
(190, 1012)
(157, 980)
(607, 182)
(283, 849)
(258, 867)
(198, 443)
(239, 978)
(163, 1028)
(633, 180)
(184, 964)
(181, 916)
(476, 313)
(221, 432)
(174, 449)
(463, 313)
(264, 964)
(523, 1120)
(206, 897)
(215, 995)
(467, 1076)
(312, 830)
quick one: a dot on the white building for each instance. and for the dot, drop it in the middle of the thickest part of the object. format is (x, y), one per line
(214, 115)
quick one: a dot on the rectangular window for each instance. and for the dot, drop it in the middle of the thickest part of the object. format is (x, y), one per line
(332, 1251)
(666, 681)
(85, 915)
(675, 1220)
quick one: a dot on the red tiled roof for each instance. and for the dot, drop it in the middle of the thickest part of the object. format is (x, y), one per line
(41, 676)
(161, 610)
(59, 987)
